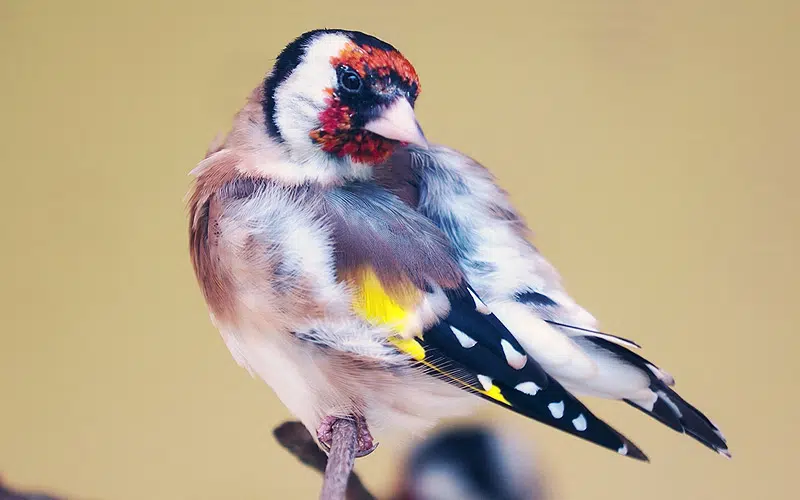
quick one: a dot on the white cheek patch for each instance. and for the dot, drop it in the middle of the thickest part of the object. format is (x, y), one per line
(301, 97)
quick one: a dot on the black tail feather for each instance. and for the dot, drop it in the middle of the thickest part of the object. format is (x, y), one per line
(670, 408)
(662, 413)
(696, 424)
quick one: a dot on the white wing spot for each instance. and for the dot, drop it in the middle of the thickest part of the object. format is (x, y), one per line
(465, 340)
(528, 388)
(485, 381)
(556, 409)
(579, 423)
(623, 450)
(514, 358)
(479, 305)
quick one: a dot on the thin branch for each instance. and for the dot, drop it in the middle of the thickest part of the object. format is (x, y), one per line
(341, 459)
(294, 437)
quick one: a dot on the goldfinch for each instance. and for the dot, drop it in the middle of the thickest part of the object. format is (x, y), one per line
(361, 271)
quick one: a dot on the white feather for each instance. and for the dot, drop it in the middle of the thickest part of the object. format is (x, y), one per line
(614, 377)
(556, 352)
(316, 382)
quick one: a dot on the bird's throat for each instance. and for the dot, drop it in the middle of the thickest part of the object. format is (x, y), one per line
(336, 135)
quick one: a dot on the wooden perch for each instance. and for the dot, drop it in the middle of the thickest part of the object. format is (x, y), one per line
(339, 483)
(341, 460)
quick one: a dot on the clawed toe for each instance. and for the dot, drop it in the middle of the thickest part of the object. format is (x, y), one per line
(365, 444)
(363, 451)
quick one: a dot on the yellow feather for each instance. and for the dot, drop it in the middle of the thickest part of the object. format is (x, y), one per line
(375, 304)
(494, 393)
(410, 347)
(378, 306)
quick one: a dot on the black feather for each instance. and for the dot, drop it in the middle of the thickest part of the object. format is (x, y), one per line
(492, 365)
(465, 316)
(670, 408)
(597, 431)
(532, 406)
(534, 298)
(545, 400)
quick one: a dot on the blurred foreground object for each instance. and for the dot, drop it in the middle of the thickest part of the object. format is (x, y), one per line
(8, 494)
(470, 463)
(461, 463)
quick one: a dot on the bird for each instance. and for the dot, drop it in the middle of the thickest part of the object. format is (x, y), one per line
(470, 462)
(362, 271)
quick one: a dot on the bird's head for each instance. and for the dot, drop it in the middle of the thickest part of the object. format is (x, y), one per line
(341, 96)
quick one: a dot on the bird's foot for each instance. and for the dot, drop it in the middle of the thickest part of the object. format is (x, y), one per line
(365, 444)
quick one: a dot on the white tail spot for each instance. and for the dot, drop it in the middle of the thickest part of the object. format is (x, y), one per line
(623, 450)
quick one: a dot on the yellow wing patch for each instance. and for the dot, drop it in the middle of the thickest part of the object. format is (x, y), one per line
(380, 306)
(394, 308)
(410, 347)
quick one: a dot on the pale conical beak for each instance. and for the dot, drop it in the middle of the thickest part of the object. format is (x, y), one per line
(398, 122)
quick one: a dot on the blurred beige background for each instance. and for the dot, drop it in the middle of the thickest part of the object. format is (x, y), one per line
(652, 145)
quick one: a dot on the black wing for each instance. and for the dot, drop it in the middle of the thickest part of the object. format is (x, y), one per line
(473, 350)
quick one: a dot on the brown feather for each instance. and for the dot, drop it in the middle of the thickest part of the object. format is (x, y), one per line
(224, 163)
(203, 239)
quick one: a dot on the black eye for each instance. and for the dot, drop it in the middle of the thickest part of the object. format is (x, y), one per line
(350, 81)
